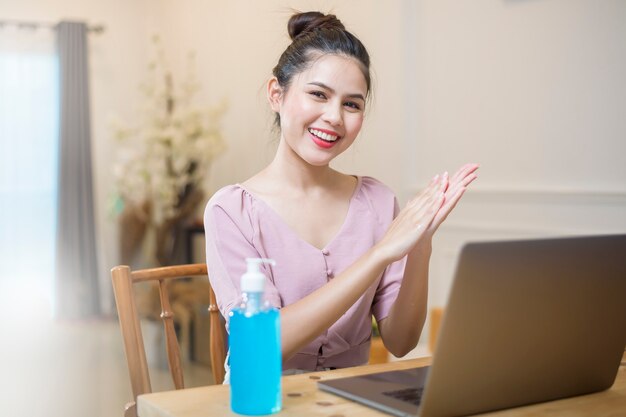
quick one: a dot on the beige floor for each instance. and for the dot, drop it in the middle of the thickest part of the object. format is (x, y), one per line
(67, 369)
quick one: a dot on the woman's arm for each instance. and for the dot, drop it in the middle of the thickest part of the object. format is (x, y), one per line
(402, 328)
(304, 320)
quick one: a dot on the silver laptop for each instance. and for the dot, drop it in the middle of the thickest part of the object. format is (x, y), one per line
(526, 322)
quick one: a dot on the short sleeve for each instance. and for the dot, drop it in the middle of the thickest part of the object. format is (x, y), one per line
(229, 236)
(389, 285)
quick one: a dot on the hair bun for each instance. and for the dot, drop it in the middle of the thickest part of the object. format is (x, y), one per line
(301, 23)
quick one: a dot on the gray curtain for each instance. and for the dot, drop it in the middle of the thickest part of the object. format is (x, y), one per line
(76, 266)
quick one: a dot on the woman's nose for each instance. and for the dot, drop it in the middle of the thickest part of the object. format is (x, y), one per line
(333, 114)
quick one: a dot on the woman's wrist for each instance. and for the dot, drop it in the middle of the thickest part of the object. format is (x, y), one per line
(380, 255)
(424, 246)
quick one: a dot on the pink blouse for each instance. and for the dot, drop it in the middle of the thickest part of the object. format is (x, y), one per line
(239, 225)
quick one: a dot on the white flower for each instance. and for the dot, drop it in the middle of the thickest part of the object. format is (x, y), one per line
(172, 144)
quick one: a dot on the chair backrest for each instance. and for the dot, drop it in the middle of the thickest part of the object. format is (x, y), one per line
(123, 286)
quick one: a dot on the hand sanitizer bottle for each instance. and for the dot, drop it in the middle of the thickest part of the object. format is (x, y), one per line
(255, 353)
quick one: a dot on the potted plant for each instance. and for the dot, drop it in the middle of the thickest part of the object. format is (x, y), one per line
(163, 160)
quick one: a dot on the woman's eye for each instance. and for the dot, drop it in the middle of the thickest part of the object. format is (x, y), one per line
(318, 94)
(353, 105)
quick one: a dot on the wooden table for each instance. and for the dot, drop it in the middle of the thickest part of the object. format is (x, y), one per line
(301, 398)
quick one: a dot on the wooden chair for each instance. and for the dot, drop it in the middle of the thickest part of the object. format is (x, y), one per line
(123, 286)
(436, 316)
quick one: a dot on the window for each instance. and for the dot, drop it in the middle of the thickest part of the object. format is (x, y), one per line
(28, 169)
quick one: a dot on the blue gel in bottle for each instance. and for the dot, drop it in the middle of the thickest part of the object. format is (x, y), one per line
(255, 352)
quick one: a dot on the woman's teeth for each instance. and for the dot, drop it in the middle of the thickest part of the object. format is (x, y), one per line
(323, 136)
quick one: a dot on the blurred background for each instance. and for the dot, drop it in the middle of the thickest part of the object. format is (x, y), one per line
(119, 119)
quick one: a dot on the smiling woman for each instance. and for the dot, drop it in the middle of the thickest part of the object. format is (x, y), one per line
(344, 250)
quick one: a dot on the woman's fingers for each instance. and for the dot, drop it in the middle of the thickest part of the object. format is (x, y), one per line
(412, 223)
(427, 210)
(463, 177)
(469, 179)
(464, 182)
(423, 217)
(442, 183)
(458, 184)
(464, 171)
(446, 209)
(434, 185)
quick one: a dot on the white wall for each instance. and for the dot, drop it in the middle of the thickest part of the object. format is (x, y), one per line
(532, 89)
(535, 92)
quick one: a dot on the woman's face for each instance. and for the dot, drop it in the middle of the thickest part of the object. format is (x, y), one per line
(322, 111)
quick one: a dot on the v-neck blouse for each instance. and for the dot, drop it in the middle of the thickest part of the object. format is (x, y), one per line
(239, 225)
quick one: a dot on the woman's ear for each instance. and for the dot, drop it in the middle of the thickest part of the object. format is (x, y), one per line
(274, 94)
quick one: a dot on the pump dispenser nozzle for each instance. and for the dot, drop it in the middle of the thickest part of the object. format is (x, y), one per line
(253, 263)
(253, 280)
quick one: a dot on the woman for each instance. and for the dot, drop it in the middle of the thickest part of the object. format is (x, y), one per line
(342, 247)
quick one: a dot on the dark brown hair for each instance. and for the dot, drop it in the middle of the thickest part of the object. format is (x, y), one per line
(314, 34)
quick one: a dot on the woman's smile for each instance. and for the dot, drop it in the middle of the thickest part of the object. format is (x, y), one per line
(323, 138)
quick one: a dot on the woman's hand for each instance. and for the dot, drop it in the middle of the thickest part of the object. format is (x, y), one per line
(423, 215)
(414, 220)
(455, 189)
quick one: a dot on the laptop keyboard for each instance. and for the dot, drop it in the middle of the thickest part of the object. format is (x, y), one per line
(409, 395)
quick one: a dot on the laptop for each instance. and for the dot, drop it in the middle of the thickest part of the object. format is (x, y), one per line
(526, 322)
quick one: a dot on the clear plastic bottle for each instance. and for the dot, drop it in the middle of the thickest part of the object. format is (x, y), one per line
(255, 352)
